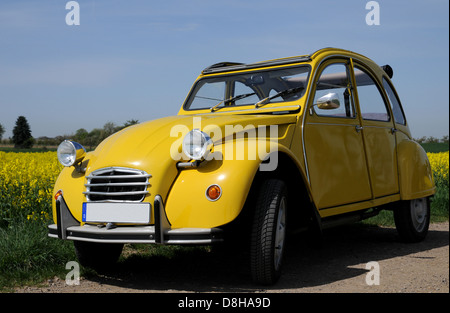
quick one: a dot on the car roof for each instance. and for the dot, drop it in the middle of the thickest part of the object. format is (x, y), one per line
(235, 66)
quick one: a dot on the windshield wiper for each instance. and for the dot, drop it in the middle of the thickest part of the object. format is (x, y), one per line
(239, 97)
(279, 94)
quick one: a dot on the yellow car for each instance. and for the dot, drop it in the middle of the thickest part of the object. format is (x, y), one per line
(304, 142)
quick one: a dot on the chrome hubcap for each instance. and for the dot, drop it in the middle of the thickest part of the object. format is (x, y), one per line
(280, 233)
(419, 214)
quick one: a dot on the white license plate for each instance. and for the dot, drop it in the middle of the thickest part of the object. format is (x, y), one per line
(138, 213)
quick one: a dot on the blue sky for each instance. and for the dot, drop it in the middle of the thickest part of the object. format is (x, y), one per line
(137, 59)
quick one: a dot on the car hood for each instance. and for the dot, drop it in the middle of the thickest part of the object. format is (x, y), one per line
(147, 146)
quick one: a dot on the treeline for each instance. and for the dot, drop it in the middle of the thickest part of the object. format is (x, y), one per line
(89, 139)
(432, 139)
(93, 138)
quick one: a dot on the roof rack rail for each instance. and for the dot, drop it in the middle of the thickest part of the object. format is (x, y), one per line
(223, 64)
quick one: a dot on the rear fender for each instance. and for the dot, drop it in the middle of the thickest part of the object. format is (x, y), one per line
(416, 177)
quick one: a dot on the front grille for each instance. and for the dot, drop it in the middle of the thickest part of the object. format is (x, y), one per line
(117, 184)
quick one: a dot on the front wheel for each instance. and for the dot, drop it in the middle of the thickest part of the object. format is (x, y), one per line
(412, 219)
(269, 232)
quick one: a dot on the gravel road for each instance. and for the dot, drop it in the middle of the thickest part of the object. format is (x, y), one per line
(340, 265)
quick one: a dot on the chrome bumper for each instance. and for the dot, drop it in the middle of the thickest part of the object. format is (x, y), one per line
(69, 228)
(138, 234)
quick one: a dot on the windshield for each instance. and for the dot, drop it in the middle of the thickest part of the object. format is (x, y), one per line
(274, 86)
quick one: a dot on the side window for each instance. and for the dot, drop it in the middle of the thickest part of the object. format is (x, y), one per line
(333, 97)
(371, 101)
(399, 117)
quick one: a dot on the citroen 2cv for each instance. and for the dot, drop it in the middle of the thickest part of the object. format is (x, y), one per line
(304, 142)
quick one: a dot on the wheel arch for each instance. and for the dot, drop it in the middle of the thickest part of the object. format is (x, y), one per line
(290, 170)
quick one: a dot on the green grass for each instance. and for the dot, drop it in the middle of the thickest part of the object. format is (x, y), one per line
(36, 149)
(28, 256)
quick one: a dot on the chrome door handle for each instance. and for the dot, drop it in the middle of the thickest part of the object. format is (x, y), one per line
(393, 130)
(358, 128)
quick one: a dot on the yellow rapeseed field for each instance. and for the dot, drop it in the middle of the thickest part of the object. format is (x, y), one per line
(26, 184)
(439, 164)
(27, 179)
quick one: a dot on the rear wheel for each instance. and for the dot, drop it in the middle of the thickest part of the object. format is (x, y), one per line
(97, 255)
(412, 219)
(269, 232)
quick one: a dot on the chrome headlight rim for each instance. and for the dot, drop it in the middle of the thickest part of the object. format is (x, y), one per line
(197, 145)
(70, 153)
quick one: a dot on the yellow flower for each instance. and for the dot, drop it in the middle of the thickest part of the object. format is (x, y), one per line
(26, 183)
(440, 167)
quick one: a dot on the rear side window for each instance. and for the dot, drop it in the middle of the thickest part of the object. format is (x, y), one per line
(371, 100)
(399, 117)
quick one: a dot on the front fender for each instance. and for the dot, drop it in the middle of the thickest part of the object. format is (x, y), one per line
(416, 177)
(71, 183)
(187, 204)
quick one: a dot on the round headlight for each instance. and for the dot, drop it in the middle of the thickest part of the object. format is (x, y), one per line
(197, 144)
(70, 153)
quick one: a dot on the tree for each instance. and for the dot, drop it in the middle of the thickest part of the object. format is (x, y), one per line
(126, 124)
(130, 122)
(81, 135)
(109, 129)
(22, 138)
(2, 131)
(94, 137)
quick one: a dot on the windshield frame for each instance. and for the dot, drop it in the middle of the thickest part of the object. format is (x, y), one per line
(190, 98)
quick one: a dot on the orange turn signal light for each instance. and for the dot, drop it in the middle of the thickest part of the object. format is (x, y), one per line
(58, 194)
(213, 192)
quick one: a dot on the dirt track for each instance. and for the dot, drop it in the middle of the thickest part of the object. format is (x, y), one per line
(339, 265)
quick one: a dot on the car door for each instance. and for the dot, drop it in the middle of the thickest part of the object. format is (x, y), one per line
(333, 142)
(378, 131)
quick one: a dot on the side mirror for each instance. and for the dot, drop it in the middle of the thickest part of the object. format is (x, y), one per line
(328, 102)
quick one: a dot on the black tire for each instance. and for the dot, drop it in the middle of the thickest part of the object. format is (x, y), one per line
(412, 219)
(98, 256)
(268, 232)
